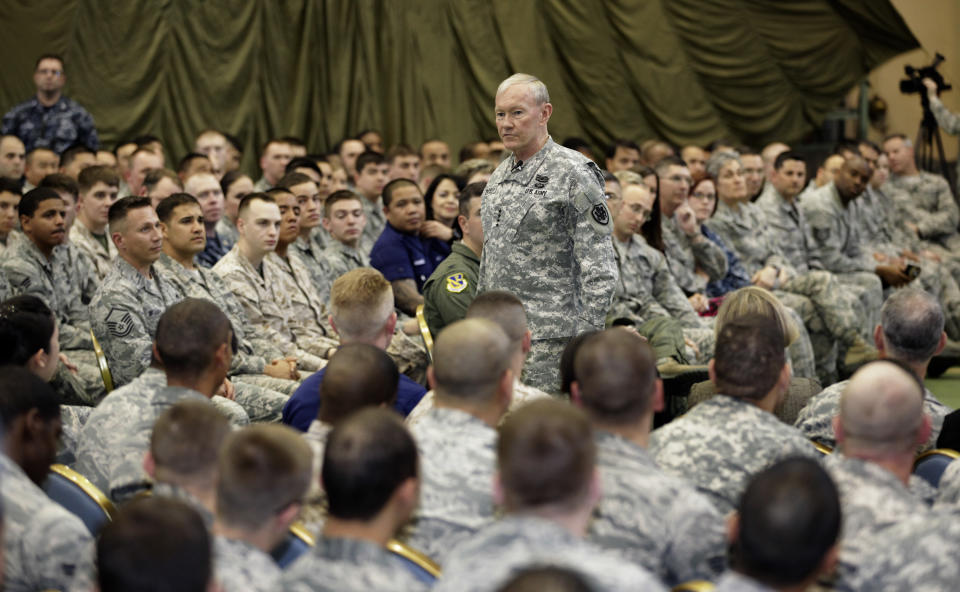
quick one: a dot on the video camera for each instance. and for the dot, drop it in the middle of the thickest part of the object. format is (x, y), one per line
(913, 82)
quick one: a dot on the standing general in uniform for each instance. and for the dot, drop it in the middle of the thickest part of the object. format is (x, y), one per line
(546, 230)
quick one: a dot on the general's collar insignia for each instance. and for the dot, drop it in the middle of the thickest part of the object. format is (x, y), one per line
(542, 178)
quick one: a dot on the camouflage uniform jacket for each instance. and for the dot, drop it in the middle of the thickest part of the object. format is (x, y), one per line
(59, 284)
(647, 289)
(497, 553)
(880, 227)
(654, 519)
(925, 199)
(226, 229)
(835, 241)
(124, 315)
(790, 224)
(4, 284)
(744, 229)
(99, 257)
(310, 256)
(376, 222)
(241, 567)
(948, 493)
(522, 394)
(949, 122)
(816, 419)
(308, 313)
(349, 565)
(546, 238)
(732, 581)
(314, 509)
(339, 258)
(723, 442)
(686, 254)
(45, 546)
(457, 459)
(169, 490)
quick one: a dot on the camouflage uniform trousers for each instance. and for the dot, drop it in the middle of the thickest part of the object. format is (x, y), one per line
(261, 404)
(542, 369)
(822, 345)
(232, 410)
(801, 350)
(704, 339)
(665, 336)
(87, 384)
(866, 287)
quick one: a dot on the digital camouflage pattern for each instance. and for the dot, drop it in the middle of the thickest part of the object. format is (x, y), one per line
(310, 255)
(686, 254)
(522, 394)
(100, 257)
(925, 200)
(241, 567)
(339, 258)
(307, 318)
(376, 222)
(349, 565)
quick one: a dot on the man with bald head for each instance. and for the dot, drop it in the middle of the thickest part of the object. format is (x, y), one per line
(880, 424)
(653, 519)
(473, 382)
(911, 332)
(206, 188)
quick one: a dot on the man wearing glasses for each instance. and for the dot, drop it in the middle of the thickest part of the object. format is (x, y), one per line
(50, 120)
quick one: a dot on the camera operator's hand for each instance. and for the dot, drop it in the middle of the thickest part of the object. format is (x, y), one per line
(931, 87)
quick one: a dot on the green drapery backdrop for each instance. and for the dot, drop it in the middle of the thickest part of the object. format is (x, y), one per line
(683, 70)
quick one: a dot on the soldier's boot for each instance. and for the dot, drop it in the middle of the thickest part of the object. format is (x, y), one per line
(859, 353)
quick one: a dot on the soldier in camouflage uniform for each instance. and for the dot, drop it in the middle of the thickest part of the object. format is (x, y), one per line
(97, 187)
(948, 122)
(360, 451)
(45, 546)
(308, 250)
(948, 491)
(653, 519)
(725, 440)
(344, 219)
(546, 230)
(369, 181)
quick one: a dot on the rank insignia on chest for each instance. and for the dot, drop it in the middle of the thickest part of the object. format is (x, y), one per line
(456, 283)
(542, 179)
(600, 214)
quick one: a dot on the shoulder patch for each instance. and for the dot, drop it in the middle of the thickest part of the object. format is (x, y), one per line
(119, 322)
(600, 214)
(456, 283)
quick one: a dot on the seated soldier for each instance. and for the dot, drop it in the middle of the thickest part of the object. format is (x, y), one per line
(206, 189)
(194, 346)
(548, 485)
(653, 519)
(344, 220)
(97, 188)
(400, 253)
(473, 381)
(10, 195)
(370, 476)
(785, 532)
(725, 440)
(182, 458)
(155, 544)
(262, 476)
(159, 184)
(311, 238)
(44, 545)
(369, 181)
(361, 311)
(910, 331)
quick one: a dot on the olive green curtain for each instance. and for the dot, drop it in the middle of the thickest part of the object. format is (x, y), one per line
(684, 70)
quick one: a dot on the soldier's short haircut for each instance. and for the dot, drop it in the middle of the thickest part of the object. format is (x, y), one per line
(545, 456)
(367, 457)
(185, 441)
(185, 162)
(166, 206)
(869, 144)
(389, 188)
(367, 158)
(144, 139)
(26, 327)
(250, 198)
(119, 209)
(537, 88)
(361, 302)
(292, 179)
(266, 145)
(8, 185)
(912, 322)
(97, 173)
(50, 56)
(154, 176)
(552, 578)
(36, 149)
(503, 308)
(302, 162)
(749, 357)
(399, 150)
(60, 183)
(611, 150)
(338, 196)
(785, 156)
(158, 544)
(789, 519)
(718, 160)
(71, 153)
(293, 141)
(33, 198)
(229, 178)
(666, 162)
(469, 192)
(754, 300)
(898, 136)
(188, 335)
(617, 375)
(22, 391)
(358, 375)
(469, 359)
(263, 468)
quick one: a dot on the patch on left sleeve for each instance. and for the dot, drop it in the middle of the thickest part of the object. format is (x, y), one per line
(600, 214)
(456, 283)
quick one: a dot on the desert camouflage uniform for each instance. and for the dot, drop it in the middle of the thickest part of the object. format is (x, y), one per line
(349, 565)
(925, 200)
(339, 258)
(497, 553)
(816, 419)
(457, 459)
(307, 319)
(45, 546)
(241, 567)
(522, 394)
(546, 239)
(654, 519)
(723, 442)
(376, 222)
(100, 258)
(686, 254)
(310, 255)
(227, 231)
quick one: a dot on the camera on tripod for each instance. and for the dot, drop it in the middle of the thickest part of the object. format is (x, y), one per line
(913, 82)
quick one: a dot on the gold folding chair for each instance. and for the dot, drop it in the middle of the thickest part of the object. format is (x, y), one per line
(421, 566)
(102, 363)
(425, 332)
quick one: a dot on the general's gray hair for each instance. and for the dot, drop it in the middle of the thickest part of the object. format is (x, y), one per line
(537, 87)
(718, 160)
(912, 323)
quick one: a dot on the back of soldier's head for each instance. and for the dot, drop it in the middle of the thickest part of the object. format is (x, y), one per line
(367, 457)
(26, 327)
(358, 375)
(616, 376)
(361, 302)
(154, 545)
(20, 392)
(547, 579)
(185, 443)
(567, 371)
(756, 301)
(545, 457)
(504, 309)
(469, 360)
(912, 323)
(789, 518)
(749, 357)
(881, 409)
(263, 468)
(189, 334)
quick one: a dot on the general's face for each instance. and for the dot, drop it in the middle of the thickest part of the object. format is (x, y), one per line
(436, 152)
(206, 189)
(635, 207)
(141, 239)
(623, 159)
(43, 162)
(12, 157)
(310, 203)
(703, 199)
(274, 160)
(790, 178)
(95, 203)
(238, 190)
(184, 231)
(260, 226)
(753, 172)
(49, 76)
(406, 210)
(406, 167)
(520, 120)
(899, 154)
(446, 201)
(674, 187)
(8, 212)
(346, 221)
(48, 226)
(731, 185)
(289, 216)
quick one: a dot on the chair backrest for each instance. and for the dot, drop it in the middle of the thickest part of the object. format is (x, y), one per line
(422, 567)
(694, 586)
(77, 494)
(425, 332)
(102, 363)
(298, 541)
(931, 464)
